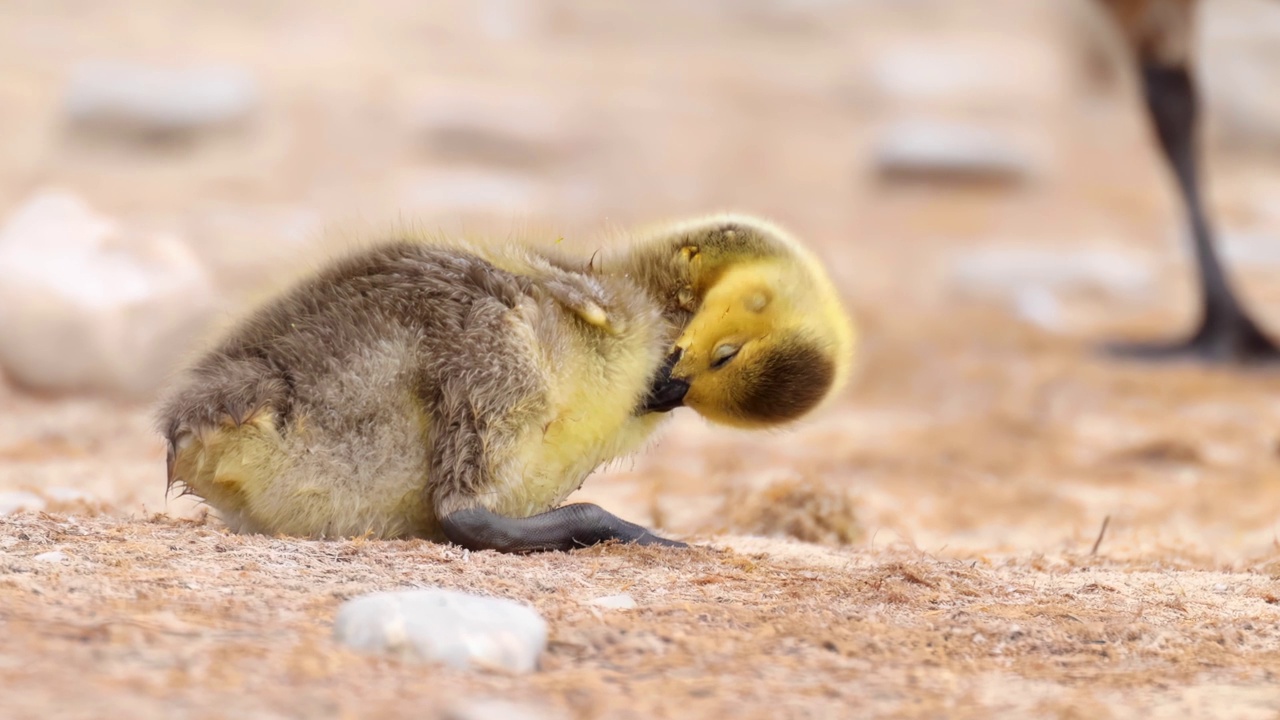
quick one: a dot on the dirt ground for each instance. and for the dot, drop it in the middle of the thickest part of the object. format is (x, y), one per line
(930, 546)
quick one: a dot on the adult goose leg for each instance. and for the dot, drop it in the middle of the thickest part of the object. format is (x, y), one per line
(1160, 31)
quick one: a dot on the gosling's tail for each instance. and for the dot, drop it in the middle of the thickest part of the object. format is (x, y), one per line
(220, 401)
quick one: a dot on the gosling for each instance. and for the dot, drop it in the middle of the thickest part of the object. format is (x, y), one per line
(459, 391)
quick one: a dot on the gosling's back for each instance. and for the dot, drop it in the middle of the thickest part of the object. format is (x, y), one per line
(406, 379)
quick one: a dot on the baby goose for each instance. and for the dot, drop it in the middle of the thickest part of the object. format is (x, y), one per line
(461, 391)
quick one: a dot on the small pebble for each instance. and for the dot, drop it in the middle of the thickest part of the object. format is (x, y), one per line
(472, 190)
(954, 71)
(1039, 306)
(67, 495)
(1255, 250)
(491, 709)
(920, 150)
(496, 130)
(87, 306)
(1236, 63)
(614, 602)
(144, 102)
(455, 628)
(18, 501)
(1013, 269)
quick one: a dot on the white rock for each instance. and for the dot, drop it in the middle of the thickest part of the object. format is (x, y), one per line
(494, 127)
(472, 189)
(614, 602)
(492, 709)
(18, 501)
(145, 102)
(54, 556)
(83, 307)
(927, 149)
(1039, 306)
(1014, 270)
(974, 72)
(1238, 65)
(778, 16)
(454, 628)
(1251, 250)
(507, 20)
(67, 495)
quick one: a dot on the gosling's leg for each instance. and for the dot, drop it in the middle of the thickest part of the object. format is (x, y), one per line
(1226, 333)
(479, 415)
(563, 529)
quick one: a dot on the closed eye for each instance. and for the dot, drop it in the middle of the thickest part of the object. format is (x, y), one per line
(723, 355)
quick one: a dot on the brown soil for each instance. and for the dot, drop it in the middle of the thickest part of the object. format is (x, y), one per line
(928, 547)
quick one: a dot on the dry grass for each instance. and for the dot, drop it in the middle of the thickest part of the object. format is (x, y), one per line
(168, 618)
(800, 508)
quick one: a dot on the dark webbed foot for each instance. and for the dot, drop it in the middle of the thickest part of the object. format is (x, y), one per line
(564, 529)
(1227, 334)
(1237, 341)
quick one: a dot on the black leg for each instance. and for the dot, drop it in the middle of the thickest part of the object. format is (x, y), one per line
(565, 528)
(1226, 332)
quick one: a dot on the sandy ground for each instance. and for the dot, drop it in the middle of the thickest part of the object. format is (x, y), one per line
(928, 547)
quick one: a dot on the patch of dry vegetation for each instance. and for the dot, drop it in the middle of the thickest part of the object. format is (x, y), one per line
(803, 508)
(165, 618)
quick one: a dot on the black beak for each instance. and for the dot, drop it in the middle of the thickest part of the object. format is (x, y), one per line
(666, 393)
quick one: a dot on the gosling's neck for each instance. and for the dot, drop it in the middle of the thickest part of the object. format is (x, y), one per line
(656, 267)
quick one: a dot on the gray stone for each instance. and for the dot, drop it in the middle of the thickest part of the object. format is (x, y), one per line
(143, 102)
(949, 151)
(1251, 250)
(985, 73)
(469, 189)
(495, 128)
(1039, 306)
(68, 495)
(53, 556)
(18, 501)
(783, 16)
(510, 20)
(1239, 66)
(1031, 280)
(88, 307)
(614, 602)
(1010, 270)
(446, 626)
(492, 709)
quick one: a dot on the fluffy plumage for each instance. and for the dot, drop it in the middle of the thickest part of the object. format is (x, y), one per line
(414, 380)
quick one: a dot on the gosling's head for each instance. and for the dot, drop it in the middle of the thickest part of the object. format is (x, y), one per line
(770, 341)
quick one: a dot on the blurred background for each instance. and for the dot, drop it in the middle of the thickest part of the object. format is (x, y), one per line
(978, 174)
